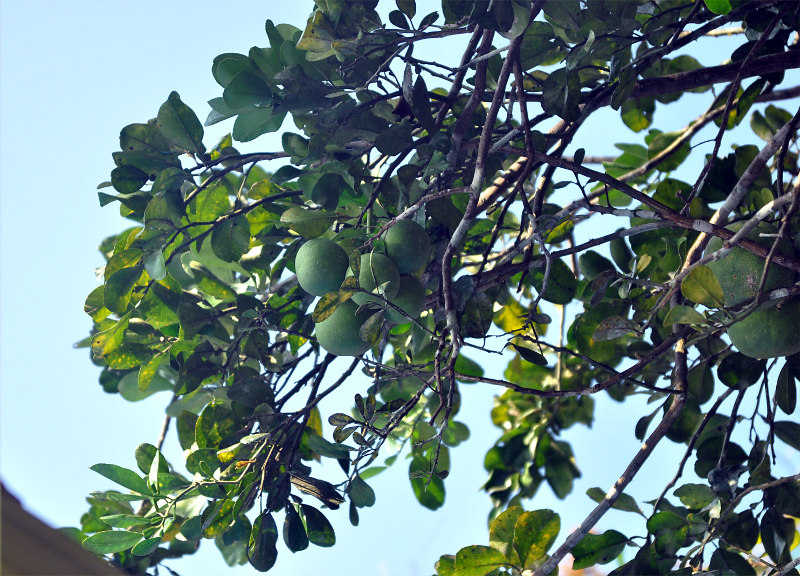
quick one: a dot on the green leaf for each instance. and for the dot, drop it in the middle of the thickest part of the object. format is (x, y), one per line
(408, 7)
(428, 489)
(478, 560)
(361, 493)
(613, 327)
(624, 502)
(777, 535)
(725, 562)
(739, 371)
(637, 113)
(702, 287)
(261, 551)
(294, 530)
(226, 66)
(295, 145)
(252, 124)
(561, 284)
(209, 204)
(521, 17)
(124, 477)
(180, 126)
(534, 534)
(598, 549)
(146, 546)
(324, 448)
(561, 94)
(370, 330)
(155, 265)
(681, 314)
(307, 223)
(529, 355)
(501, 533)
(789, 432)
(111, 541)
(327, 190)
(468, 367)
(320, 531)
(760, 126)
(142, 137)
(718, 6)
(394, 139)
(663, 141)
(695, 496)
(446, 565)
(124, 520)
(318, 35)
(231, 239)
(109, 340)
(214, 425)
(786, 390)
(119, 288)
(128, 179)
(246, 90)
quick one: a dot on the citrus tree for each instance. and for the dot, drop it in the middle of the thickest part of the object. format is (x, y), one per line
(421, 212)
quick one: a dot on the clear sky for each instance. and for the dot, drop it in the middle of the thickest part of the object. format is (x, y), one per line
(72, 75)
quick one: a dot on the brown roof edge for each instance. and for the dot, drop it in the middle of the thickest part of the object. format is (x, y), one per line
(28, 546)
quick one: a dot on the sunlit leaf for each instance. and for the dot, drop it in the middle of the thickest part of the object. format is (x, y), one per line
(701, 286)
(180, 126)
(111, 541)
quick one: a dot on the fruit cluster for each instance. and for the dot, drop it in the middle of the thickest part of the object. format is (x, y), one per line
(322, 265)
(771, 330)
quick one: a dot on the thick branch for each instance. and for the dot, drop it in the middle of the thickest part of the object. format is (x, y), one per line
(636, 463)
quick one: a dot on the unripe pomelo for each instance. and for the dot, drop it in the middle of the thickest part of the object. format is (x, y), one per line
(377, 269)
(409, 299)
(408, 245)
(338, 334)
(769, 332)
(739, 271)
(320, 265)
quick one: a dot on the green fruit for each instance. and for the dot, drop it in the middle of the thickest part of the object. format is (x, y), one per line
(376, 270)
(409, 299)
(320, 265)
(769, 332)
(739, 272)
(408, 245)
(338, 334)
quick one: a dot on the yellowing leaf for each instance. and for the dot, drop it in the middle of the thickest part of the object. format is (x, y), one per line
(702, 287)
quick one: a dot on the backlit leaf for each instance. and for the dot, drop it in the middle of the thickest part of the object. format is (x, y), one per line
(702, 287)
(111, 541)
(534, 534)
(261, 551)
(122, 476)
(180, 126)
(478, 560)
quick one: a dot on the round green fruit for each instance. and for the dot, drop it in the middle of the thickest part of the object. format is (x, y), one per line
(409, 299)
(320, 265)
(376, 270)
(338, 334)
(739, 272)
(408, 245)
(770, 331)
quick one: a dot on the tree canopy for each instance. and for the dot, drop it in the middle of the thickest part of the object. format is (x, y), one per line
(422, 211)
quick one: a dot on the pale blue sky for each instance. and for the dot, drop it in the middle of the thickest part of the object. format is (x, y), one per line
(72, 75)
